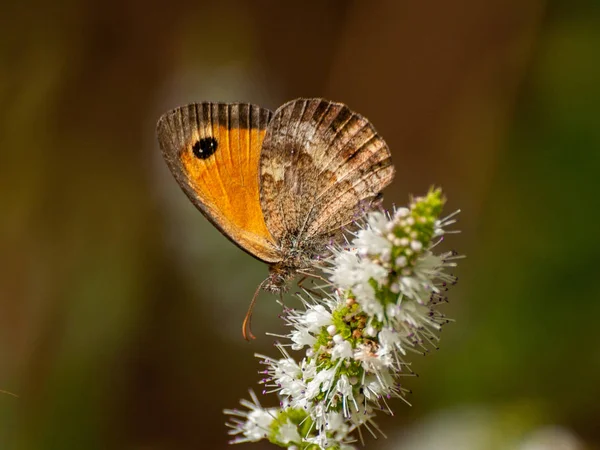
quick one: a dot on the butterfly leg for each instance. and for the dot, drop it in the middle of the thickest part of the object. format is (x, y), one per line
(307, 274)
(305, 289)
(285, 308)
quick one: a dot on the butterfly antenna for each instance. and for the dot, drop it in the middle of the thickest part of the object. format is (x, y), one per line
(247, 323)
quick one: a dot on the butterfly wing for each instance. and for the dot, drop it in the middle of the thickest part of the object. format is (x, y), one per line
(321, 165)
(213, 150)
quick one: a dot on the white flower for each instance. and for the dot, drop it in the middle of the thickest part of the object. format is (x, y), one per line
(350, 270)
(302, 337)
(320, 383)
(377, 222)
(386, 286)
(287, 369)
(389, 339)
(345, 265)
(345, 389)
(256, 424)
(316, 317)
(416, 246)
(401, 261)
(401, 213)
(288, 432)
(365, 296)
(368, 271)
(370, 360)
(342, 349)
(370, 242)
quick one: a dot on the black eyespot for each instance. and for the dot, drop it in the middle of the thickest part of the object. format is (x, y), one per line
(204, 147)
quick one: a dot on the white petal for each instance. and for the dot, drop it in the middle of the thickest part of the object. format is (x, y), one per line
(288, 432)
(341, 350)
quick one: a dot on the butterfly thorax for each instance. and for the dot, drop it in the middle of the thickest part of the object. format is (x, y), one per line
(297, 255)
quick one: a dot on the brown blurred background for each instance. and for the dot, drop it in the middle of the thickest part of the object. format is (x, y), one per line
(120, 306)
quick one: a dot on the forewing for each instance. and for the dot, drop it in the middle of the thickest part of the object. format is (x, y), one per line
(321, 166)
(213, 150)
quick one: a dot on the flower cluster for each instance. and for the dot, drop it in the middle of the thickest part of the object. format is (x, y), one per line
(381, 302)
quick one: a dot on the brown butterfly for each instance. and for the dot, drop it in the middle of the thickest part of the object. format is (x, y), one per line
(279, 185)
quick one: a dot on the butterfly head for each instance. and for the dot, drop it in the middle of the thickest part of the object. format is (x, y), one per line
(279, 276)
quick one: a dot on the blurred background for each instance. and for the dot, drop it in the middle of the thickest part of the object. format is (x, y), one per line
(121, 306)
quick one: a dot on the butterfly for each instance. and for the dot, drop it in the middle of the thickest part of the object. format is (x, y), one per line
(280, 185)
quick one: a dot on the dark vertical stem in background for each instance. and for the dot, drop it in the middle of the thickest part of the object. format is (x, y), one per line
(85, 244)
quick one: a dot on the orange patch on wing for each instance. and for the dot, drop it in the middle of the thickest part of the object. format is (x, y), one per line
(227, 181)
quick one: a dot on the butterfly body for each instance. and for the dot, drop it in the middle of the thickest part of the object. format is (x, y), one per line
(297, 254)
(280, 185)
